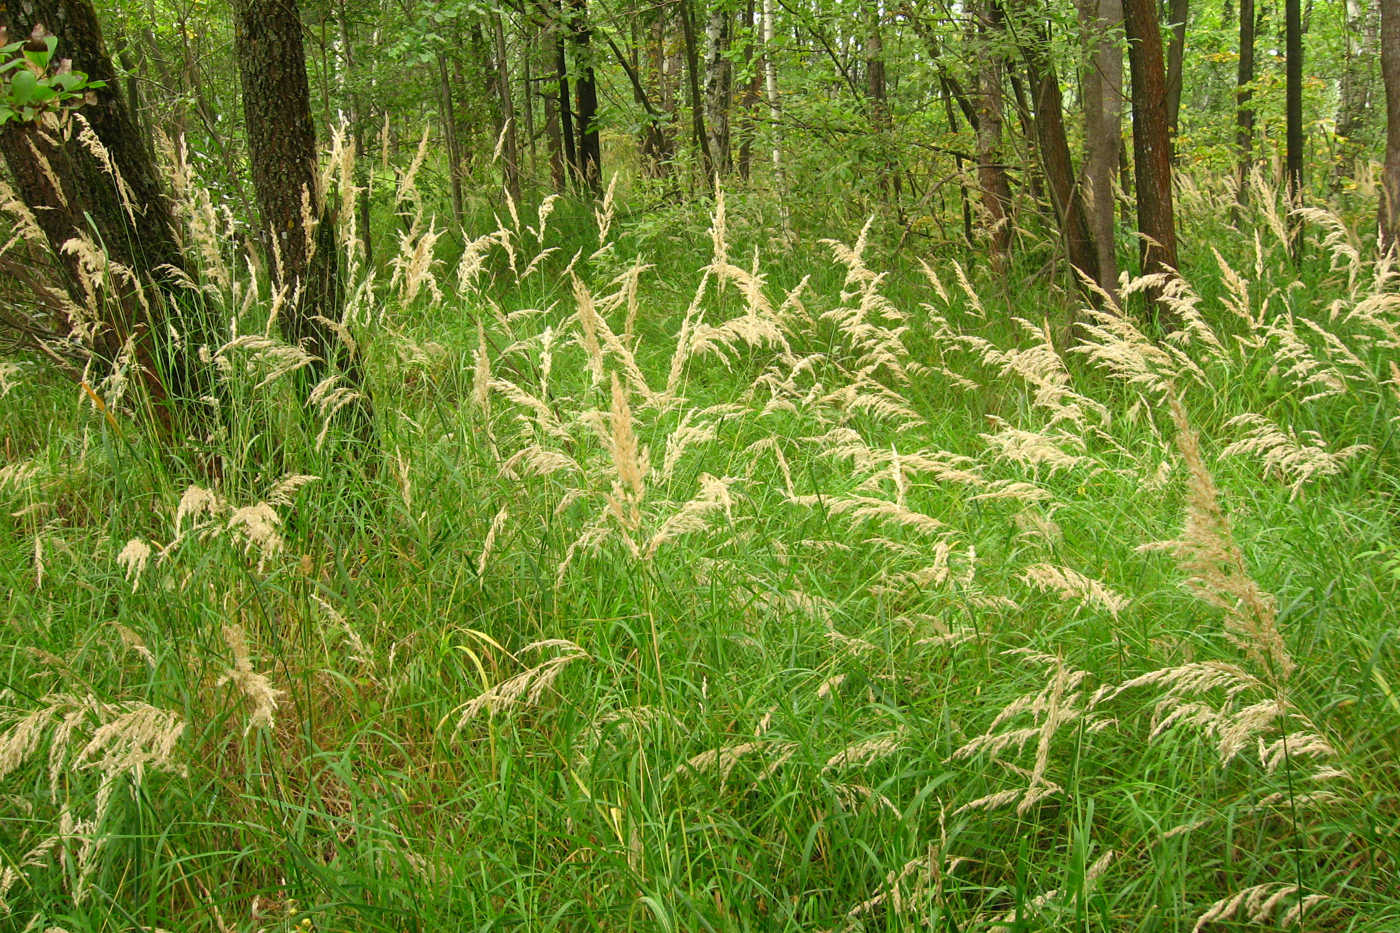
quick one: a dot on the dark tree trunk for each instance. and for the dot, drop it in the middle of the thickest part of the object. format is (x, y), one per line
(881, 119)
(697, 111)
(952, 114)
(550, 101)
(652, 138)
(1151, 142)
(298, 231)
(1244, 102)
(590, 153)
(72, 195)
(1176, 57)
(449, 130)
(1065, 194)
(1390, 178)
(566, 111)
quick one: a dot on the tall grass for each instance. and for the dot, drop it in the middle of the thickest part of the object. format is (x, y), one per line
(697, 586)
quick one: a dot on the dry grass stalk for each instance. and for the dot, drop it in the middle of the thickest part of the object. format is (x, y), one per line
(497, 524)
(1071, 584)
(1259, 905)
(1061, 702)
(134, 557)
(866, 751)
(526, 688)
(255, 687)
(1296, 459)
(1214, 563)
(629, 462)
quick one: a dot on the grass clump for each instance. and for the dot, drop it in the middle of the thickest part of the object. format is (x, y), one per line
(695, 587)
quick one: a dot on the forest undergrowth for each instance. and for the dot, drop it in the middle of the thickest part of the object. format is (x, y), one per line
(715, 582)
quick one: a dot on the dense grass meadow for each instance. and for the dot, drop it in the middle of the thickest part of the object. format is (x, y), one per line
(698, 578)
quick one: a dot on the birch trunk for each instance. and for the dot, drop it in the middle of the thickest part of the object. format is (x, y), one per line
(770, 81)
(719, 80)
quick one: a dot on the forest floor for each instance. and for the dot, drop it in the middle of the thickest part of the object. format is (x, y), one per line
(710, 582)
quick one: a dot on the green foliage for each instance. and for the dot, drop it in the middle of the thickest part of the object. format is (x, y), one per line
(31, 87)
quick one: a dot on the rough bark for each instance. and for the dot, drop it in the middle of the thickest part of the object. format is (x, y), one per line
(1103, 119)
(590, 153)
(510, 149)
(1151, 143)
(881, 119)
(1390, 178)
(697, 113)
(1354, 100)
(991, 170)
(748, 105)
(550, 101)
(298, 231)
(718, 88)
(72, 195)
(1051, 140)
(651, 140)
(566, 110)
(951, 111)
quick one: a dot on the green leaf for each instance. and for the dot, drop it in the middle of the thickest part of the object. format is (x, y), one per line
(23, 87)
(68, 82)
(39, 60)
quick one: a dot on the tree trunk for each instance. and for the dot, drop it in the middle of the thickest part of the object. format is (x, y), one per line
(651, 140)
(1151, 144)
(550, 101)
(770, 89)
(951, 110)
(1293, 68)
(697, 113)
(718, 87)
(1244, 103)
(1390, 178)
(527, 99)
(449, 129)
(590, 153)
(881, 120)
(71, 195)
(1054, 153)
(1354, 98)
(1103, 119)
(566, 111)
(510, 150)
(991, 171)
(748, 106)
(357, 133)
(297, 226)
(1176, 55)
